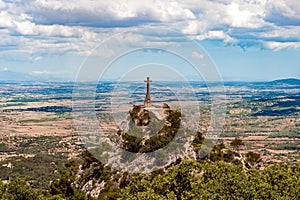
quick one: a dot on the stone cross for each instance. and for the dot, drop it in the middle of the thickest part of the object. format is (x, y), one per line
(147, 102)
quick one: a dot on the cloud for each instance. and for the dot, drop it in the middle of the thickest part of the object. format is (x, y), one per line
(242, 16)
(45, 72)
(2, 4)
(217, 35)
(159, 44)
(104, 52)
(77, 27)
(246, 23)
(277, 46)
(129, 37)
(281, 34)
(283, 12)
(197, 55)
(116, 13)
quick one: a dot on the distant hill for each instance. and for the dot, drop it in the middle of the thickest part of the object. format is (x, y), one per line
(289, 81)
(7, 75)
(15, 76)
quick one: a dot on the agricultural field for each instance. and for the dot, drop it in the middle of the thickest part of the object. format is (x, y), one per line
(38, 134)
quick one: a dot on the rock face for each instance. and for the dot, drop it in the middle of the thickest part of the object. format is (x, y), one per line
(148, 133)
(137, 116)
(140, 116)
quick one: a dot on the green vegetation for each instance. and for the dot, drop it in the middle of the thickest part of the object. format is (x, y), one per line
(277, 112)
(92, 170)
(233, 134)
(286, 133)
(216, 180)
(66, 116)
(223, 174)
(187, 179)
(133, 143)
(287, 146)
(252, 157)
(237, 144)
(19, 189)
(219, 176)
(41, 168)
(197, 142)
(62, 188)
(220, 153)
(39, 120)
(3, 147)
(36, 157)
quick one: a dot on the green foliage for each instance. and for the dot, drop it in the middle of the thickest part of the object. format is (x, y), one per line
(72, 165)
(174, 184)
(136, 144)
(237, 143)
(39, 120)
(66, 116)
(197, 142)
(220, 153)
(166, 106)
(140, 116)
(63, 185)
(134, 112)
(216, 180)
(286, 133)
(287, 146)
(39, 168)
(88, 159)
(2, 188)
(19, 189)
(131, 143)
(110, 193)
(63, 188)
(3, 147)
(43, 163)
(174, 118)
(283, 181)
(219, 181)
(184, 180)
(252, 157)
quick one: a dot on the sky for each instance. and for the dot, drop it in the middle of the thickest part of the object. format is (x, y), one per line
(244, 40)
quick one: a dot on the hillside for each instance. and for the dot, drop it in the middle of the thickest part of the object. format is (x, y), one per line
(223, 177)
(15, 76)
(289, 81)
(7, 75)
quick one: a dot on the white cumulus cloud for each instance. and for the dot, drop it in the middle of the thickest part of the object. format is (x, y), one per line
(79, 26)
(277, 46)
(197, 55)
(217, 35)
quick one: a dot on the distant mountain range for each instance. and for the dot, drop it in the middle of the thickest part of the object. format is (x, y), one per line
(15, 76)
(7, 75)
(288, 81)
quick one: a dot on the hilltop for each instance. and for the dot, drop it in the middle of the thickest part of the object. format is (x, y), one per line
(7, 75)
(289, 81)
